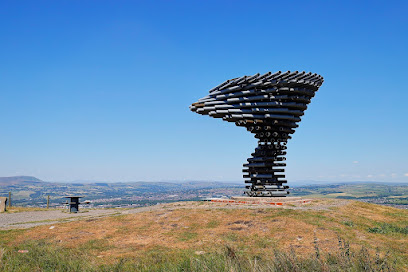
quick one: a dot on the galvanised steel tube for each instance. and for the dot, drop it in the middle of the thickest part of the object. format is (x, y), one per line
(270, 106)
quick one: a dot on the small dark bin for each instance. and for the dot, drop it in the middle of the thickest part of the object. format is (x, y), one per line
(73, 203)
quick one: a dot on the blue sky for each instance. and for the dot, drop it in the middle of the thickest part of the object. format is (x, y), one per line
(99, 90)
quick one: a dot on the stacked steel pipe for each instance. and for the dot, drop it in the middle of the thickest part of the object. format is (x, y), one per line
(269, 106)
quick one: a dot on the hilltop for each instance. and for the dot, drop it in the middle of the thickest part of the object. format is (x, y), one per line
(336, 234)
(6, 181)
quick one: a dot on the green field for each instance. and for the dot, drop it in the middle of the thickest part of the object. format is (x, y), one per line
(379, 193)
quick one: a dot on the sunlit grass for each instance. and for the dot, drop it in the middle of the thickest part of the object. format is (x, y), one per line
(42, 256)
(263, 239)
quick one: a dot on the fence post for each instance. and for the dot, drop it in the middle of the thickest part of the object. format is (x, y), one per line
(9, 200)
(48, 201)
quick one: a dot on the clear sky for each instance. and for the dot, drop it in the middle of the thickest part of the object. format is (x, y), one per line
(99, 90)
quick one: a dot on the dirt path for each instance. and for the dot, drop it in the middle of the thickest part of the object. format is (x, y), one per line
(22, 220)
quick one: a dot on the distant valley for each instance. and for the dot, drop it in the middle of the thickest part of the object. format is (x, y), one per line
(32, 192)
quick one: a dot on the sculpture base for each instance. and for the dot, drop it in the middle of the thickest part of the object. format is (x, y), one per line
(278, 201)
(269, 193)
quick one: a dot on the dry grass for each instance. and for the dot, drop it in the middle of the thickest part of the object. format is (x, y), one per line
(253, 232)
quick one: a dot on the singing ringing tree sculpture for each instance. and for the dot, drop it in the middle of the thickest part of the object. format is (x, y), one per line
(270, 106)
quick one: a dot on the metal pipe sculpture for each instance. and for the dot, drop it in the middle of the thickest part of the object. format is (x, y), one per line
(269, 106)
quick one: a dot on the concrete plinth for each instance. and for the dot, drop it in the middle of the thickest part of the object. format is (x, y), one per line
(3, 204)
(266, 199)
(279, 201)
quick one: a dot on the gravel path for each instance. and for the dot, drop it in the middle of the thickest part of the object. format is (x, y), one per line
(22, 220)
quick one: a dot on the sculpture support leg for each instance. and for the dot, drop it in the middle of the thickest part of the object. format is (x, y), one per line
(265, 169)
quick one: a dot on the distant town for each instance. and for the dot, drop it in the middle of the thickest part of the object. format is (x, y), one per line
(32, 192)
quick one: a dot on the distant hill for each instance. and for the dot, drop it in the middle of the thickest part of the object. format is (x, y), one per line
(19, 180)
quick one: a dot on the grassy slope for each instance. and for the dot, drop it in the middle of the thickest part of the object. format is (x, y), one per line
(187, 229)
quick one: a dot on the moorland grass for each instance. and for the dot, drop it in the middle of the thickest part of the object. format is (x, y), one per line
(233, 240)
(45, 256)
(387, 228)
